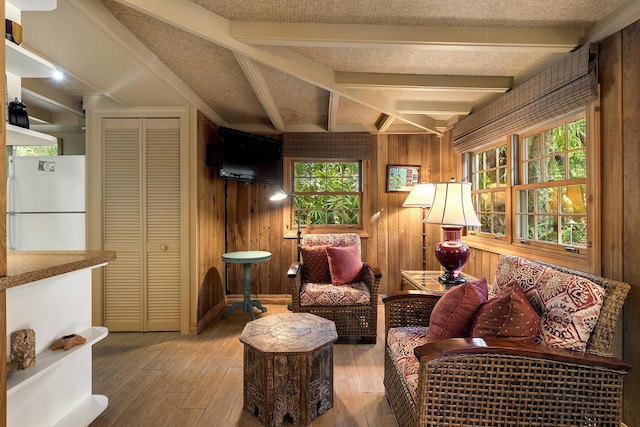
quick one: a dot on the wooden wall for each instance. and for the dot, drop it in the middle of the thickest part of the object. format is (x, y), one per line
(208, 296)
(393, 237)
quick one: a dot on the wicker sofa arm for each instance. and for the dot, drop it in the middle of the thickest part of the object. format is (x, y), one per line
(470, 346)
(407, 308)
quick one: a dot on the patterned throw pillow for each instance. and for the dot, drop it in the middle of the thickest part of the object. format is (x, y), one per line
(508, 315)
(345, 264)
(506, 268)
(315, 265)
(453, 314)
(568, 305)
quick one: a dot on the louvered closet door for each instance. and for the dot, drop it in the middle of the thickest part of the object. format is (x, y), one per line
(162, 184)
(142, 224)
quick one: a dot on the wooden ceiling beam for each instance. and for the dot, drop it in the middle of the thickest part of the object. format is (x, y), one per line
(197, 20)
(429, 108)
(261, 89)
(492, 84)
(558, 40)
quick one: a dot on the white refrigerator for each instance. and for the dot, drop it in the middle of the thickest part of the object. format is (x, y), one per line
(46, 203)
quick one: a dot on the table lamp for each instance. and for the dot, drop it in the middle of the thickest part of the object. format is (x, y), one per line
(281, 195)
(421, 196)
(452, 208)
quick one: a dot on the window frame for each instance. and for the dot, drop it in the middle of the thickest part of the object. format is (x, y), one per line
(584, 257)
(289, 216)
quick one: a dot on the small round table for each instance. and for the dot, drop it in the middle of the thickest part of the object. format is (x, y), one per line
(246, 258)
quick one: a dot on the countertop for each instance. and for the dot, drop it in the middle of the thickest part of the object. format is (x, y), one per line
(30, 266)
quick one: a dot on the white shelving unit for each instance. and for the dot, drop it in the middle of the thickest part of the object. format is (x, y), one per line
(58, 389)
(21, 136)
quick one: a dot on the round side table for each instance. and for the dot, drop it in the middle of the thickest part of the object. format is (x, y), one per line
(246, 258)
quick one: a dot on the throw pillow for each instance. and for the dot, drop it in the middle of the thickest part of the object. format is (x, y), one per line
(453, 314)
(569, 305)
(345, 264)
(508, 315)
(315, 264)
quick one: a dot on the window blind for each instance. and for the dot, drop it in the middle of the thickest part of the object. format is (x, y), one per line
(351, 146)
(566, 85)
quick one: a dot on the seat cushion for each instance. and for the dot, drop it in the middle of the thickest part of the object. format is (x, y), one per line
(453, 314)
(507, 315)
(345, 264)
(401, 342)
(327, 294)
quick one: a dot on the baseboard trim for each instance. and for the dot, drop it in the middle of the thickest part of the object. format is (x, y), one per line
(263, 298)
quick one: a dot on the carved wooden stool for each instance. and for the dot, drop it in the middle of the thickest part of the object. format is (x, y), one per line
(288, 367)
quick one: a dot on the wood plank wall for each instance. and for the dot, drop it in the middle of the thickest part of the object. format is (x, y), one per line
(394, 234)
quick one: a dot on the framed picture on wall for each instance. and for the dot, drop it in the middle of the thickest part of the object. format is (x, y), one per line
(402, 177)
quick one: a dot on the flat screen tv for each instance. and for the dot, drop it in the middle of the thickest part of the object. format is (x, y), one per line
(243, 156)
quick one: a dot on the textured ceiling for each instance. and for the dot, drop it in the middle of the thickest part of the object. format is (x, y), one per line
(357, 65)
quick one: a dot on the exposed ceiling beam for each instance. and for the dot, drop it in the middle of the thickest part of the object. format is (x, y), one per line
(433, 38)
(383, 122)
(261, 89)
(423, 82)
(197, 20)
(332, 119)
(422, 107)
(620, 18)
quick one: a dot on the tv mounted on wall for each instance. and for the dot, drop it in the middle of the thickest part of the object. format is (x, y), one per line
(243, 156)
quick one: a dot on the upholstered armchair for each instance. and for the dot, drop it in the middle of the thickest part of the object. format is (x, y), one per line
(502, 378)
(331, 281)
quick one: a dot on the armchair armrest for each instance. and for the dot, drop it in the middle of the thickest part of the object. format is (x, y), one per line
(469, 346)
(294, 268)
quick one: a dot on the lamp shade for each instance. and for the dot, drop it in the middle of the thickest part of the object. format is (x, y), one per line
(452, 205)
(279, 195)
(421, 196)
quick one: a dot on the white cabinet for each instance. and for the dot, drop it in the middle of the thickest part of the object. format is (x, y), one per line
(57, 390)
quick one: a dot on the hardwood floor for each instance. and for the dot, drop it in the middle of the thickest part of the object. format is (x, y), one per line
(167, 379)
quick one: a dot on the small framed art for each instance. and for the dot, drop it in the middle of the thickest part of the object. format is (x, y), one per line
(402, 177)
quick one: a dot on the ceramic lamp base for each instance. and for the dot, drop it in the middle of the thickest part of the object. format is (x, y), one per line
(452, 254)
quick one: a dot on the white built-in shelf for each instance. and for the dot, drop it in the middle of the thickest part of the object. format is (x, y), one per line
(48, 360)
(85, 412)
(23, 63)
(17, 135)
(33, 5)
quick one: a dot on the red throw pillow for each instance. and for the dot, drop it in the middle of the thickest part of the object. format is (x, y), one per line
(507, 315)
(345, 264)
(315, 265)
(453, 314)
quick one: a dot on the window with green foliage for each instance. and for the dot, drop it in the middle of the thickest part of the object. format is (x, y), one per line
(551, 205)
(489, 179)
(36, 150)
(546, 206)
(329, 192)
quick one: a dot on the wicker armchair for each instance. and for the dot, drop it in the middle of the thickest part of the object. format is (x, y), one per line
(353, 320)
(496, 382)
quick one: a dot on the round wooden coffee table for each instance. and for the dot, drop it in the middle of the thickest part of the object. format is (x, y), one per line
(288, 367)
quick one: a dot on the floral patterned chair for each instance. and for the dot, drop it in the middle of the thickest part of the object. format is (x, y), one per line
(331, 281)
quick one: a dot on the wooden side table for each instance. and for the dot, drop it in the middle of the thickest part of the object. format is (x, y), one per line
(425, 280)
(246, 258)
(288, 367)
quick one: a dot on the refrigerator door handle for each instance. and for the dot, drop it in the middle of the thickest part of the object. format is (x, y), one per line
(10, 216)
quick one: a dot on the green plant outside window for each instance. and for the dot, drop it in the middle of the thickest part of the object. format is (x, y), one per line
(489, 180)
(556, 211)
(328, 192)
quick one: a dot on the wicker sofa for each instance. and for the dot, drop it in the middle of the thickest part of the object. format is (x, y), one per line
(500, 382)
(352, 307)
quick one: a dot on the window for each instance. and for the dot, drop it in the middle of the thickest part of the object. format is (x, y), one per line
(546, 206)
(36, 150)
(489, 172)
(329, 193)
(551, 205)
